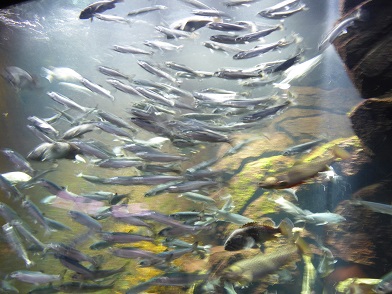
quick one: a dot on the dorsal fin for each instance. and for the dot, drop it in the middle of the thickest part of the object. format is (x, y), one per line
(251, 224)
(268, 223)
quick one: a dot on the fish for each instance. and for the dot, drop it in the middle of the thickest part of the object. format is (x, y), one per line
(339, 29)
(34, 277)
(78, 131)
(112, 72)
(284, 13)
(129, 89)
(254, 36)
(228, 27)
(162, 45)
(230, 3)
(152, 95)
(133, 180)
(73, 253)
(131, 50)
(251, 234)
(97, 88)
(261, 49)
(227, 39)
(327, 262)
(302, 172)
(98, 7)
(28, 236)
(174, 33)
(320, 218)
(18, 78)
(113, 129)
(221, 47)
(52, 151)
(302, 147)
(65, 74)
(19, 162)
(83, 287)
(156, 71)
(192, 23)
(36, 214)
(191, 186)
(375, 206)
(281, 6)
(211, 13)
(9, 189)
(67, 102)
(120, 237)
(146, 9)
(114, 18)
(85, 220)
(247, 270)
(256, 116)
(298, 71)
(196, 197)
(119, 163)
(43, 126)
(15, 243)
(385, 285)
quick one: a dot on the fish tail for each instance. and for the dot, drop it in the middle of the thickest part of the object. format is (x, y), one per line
(286, 228)
(47, 74)
(302, 245)
(340, 153)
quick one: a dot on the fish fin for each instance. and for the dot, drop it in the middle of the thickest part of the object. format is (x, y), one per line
(251, 224)
(268, 222)
(340, 153)
(303, 246)
(286, 227)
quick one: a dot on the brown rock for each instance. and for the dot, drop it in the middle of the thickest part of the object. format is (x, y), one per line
(372, 123)
(366, 48)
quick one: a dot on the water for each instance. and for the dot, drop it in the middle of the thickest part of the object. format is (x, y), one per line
(49, 33)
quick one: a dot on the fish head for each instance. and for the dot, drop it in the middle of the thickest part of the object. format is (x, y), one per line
(239, 240)
(272, 182)
(383, 287)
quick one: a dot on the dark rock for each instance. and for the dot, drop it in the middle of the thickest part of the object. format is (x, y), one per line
(372, 123)
(366, 49)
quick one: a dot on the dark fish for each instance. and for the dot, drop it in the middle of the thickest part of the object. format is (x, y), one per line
(178, 279)
(124, 87)
(237, 74)
(302, 172)
(227, 39)
(133, 180)
(264, 113)
(258, 50)
(85, 220)
(227, 27)
(119, 237)
(83, 287)
(98, 7)
(191, 186)
(43, 126)
(251, 37)
(113, 129)
(15, 243)
(114, 119)
(251, 234)
(72, 253)
(28, 236)
(39, 134)
(160, 189)
(92, 148)
(18, 161)
(119, 163)
(302, 147)
(112, 72)
(18, 78)
(36, 214)
(156, 71)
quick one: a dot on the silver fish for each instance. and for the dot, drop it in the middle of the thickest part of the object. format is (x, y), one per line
(14, 241)
(97, 89)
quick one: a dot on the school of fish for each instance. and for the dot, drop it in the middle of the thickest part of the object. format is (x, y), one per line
(163, 112)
